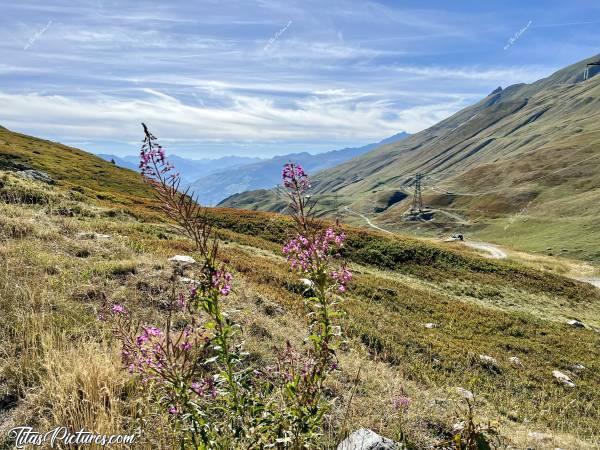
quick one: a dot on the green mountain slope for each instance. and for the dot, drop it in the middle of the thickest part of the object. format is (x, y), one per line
(76, 169)
(519, 167)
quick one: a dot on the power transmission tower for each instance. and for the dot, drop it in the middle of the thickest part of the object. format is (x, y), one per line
(417, 204)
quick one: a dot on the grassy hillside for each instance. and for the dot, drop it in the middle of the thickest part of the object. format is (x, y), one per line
(75, 170)
(59, 268)
(520, 167)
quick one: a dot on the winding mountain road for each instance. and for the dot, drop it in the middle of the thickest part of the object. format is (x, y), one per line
(366, 219)
(493, 251)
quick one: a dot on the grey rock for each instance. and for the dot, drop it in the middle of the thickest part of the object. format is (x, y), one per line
(489, 362)
(539, 436)
(365, 439)
(86, 235)
(187, 280)
(432, 325)
(35, 175)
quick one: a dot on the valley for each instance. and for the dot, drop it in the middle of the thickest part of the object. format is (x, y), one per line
(518, 168)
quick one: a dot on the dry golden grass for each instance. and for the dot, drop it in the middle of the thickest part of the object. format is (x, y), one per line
(59, 366)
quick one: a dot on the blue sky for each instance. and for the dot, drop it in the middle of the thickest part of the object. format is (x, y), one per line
(266, 77)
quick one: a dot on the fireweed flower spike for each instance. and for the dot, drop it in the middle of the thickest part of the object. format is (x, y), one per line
(311, 253)
(194, 365)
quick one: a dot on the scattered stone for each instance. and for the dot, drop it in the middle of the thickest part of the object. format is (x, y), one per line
(365, 439)
(308, 283)
(35, 175)
(489, 363)
(431, 325)
(575, 323)
(562, 378)
(577, 367)
(182, 260)
(187, 280)
(465, 393)
(515, 362)
(101, 236)
(487, 359)
(458, 427)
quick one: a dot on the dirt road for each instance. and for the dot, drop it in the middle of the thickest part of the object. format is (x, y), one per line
(495, 252)
(366, 219)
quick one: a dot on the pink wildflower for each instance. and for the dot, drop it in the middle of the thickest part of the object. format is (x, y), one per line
(400, 402)
(118, 309)
(294, 177)
(221, 280)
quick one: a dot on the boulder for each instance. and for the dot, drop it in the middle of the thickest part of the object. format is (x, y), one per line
(365, 439)
(35, 175)
(432, 325)
(563, 379)
(187, 280)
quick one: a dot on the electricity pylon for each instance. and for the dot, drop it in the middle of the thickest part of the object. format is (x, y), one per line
(417, 203)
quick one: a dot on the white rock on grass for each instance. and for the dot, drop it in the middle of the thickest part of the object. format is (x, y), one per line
(188, 280)
(431, 325)
(489, 362)
(488, 359)
(182, 260)
(365, 439)
(515, 362)
(538, 436)
(562, 378)
(575, 323)
(465, 393)
(577, 367)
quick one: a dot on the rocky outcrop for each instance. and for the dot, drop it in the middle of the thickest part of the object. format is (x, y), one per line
(365, 439)
(35, 175)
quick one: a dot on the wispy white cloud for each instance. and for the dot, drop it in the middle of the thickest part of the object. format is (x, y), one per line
(344, 72)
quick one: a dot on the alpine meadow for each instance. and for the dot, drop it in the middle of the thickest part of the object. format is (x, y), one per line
(287, 225)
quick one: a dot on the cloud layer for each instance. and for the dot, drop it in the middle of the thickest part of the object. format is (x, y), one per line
(216, 78)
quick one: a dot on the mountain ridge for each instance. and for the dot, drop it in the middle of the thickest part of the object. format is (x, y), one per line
(496, 145)
(214, 188)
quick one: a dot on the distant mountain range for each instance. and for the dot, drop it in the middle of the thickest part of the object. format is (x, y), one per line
(213, 180)
(190, 169)
(520, 167)
(216, 187)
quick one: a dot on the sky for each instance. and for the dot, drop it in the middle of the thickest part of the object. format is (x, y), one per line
(263, 77)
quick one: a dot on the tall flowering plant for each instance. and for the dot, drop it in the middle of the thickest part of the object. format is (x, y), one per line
(195, 371)
(314, 253)
(193, 365)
